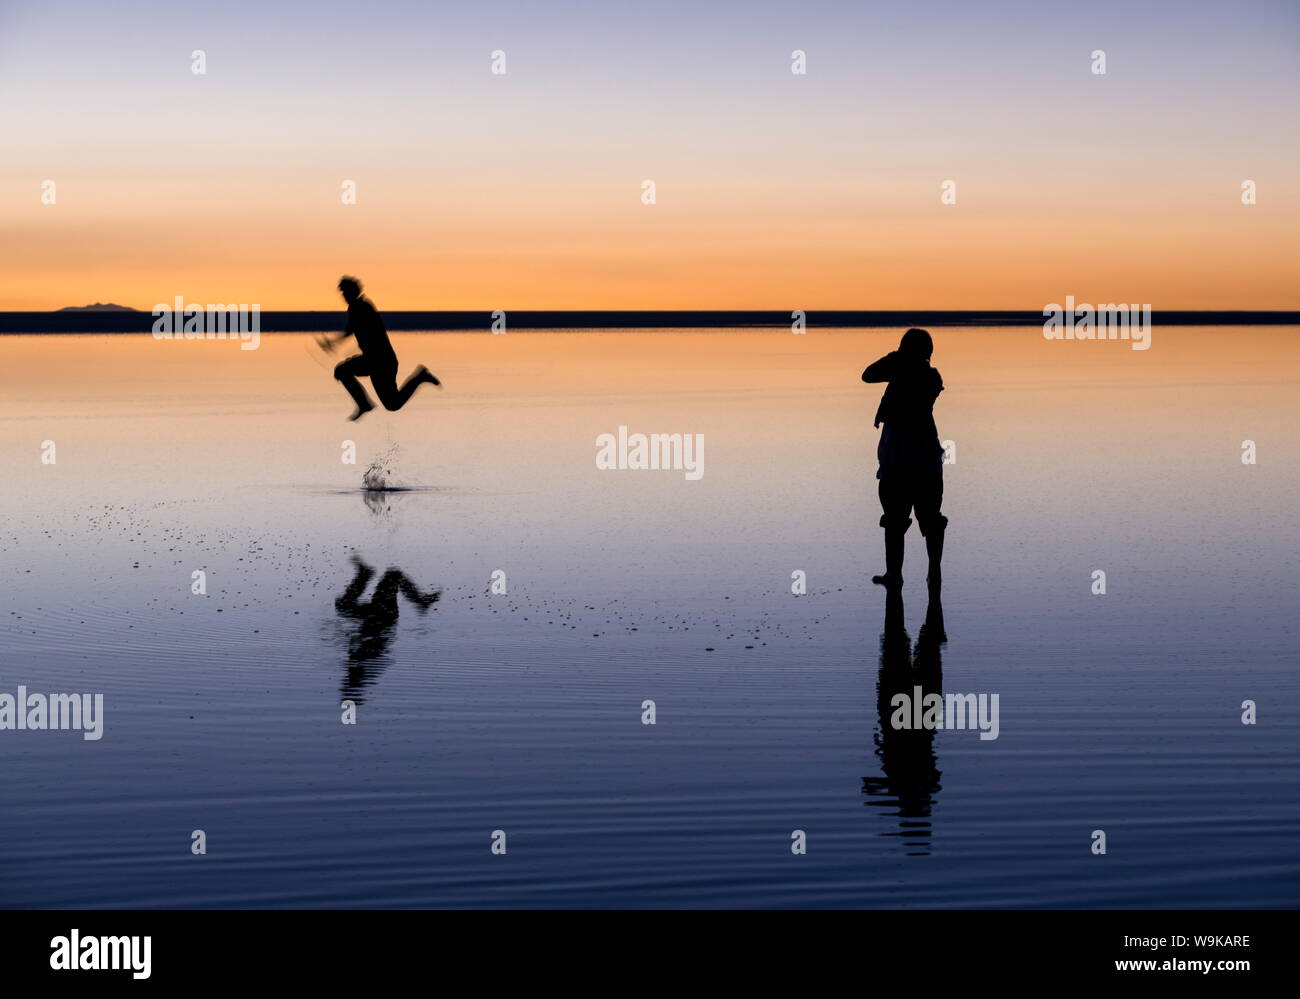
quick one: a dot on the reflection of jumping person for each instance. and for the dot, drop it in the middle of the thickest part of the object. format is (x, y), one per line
(377, 361)
(911, 457)
(375, 621)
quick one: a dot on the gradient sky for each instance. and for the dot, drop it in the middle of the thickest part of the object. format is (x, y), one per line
(775, 191)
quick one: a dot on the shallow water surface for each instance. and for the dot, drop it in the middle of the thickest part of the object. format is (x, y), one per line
(522, 711)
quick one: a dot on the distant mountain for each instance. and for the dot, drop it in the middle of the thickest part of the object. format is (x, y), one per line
(98, 307)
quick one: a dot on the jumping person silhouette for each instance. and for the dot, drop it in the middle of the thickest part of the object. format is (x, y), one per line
(377, 359)
(911, 457)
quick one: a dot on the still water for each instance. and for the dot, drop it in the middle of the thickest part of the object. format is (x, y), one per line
(522, 712)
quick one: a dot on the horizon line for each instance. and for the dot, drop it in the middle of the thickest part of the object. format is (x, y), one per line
(720, 309)
(408, 320)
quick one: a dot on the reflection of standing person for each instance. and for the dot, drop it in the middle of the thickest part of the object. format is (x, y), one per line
(377, 360)
(911, 457)
(910, 777)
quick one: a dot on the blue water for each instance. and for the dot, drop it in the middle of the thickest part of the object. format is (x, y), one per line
(522, 711)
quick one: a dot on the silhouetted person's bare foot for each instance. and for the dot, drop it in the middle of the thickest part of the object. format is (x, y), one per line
(361, 411)
(425, 375)
(888, 581)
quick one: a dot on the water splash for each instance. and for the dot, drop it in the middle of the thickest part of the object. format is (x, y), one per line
(380, 477)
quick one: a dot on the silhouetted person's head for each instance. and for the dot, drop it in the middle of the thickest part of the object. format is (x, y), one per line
(350, 288)
(916, 345)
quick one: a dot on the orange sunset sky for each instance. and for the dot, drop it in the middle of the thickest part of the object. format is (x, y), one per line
(774, 190)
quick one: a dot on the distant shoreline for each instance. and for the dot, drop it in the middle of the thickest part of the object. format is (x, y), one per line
(311, 321)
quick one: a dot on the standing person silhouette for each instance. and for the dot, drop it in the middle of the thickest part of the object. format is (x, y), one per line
(377, 360)
(911, 457)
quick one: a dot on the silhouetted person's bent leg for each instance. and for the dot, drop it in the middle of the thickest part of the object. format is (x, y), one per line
(393, 398)
(412, 593)
(347, 372)
(349, 603)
